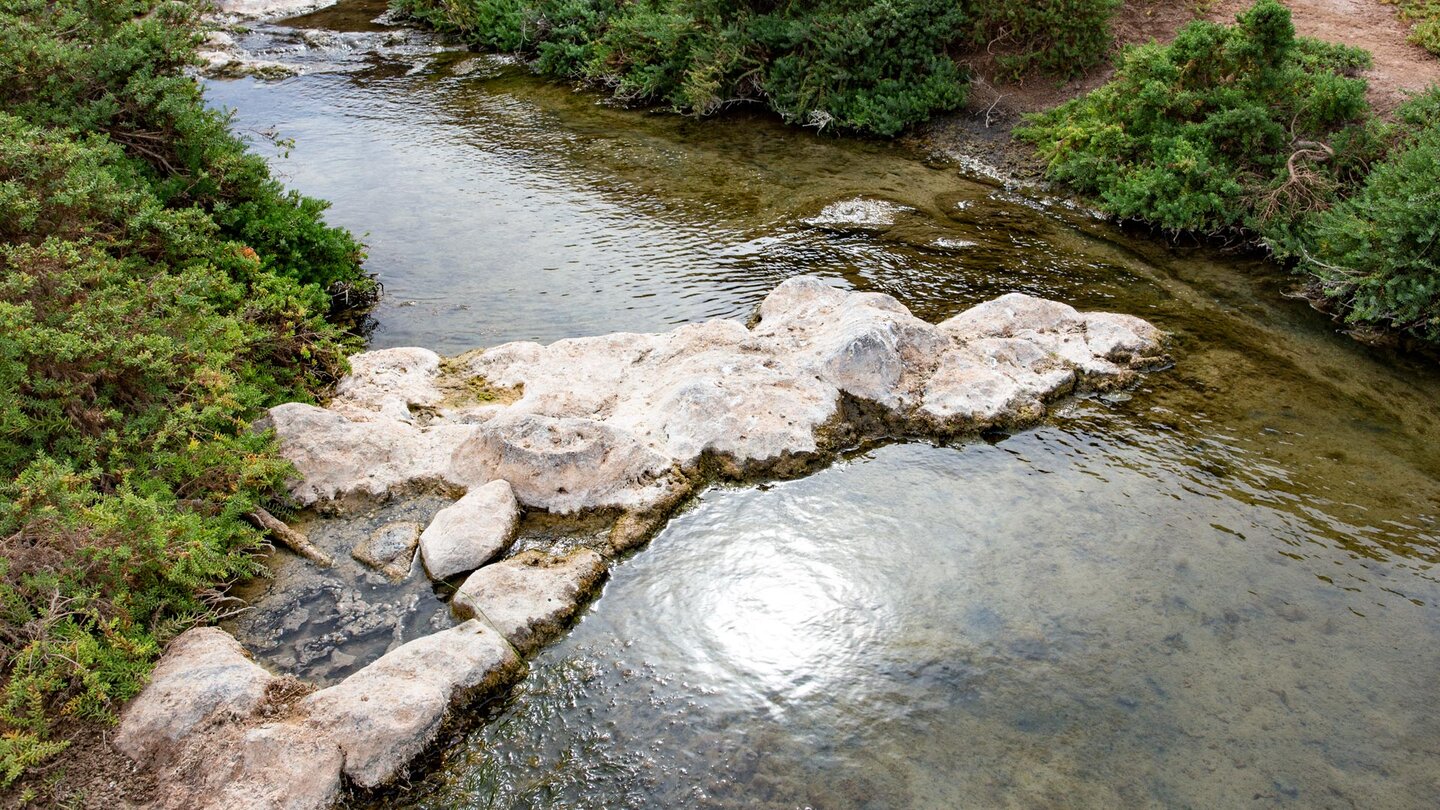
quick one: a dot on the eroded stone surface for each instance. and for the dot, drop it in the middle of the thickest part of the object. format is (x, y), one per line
(270, 9)
(385, 714)
(390, 549)
(530, 597)
(620, 421)
(204, 678)
(274, 766)
(470, 532)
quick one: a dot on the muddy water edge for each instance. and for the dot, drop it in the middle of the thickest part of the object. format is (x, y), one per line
(1215, 589)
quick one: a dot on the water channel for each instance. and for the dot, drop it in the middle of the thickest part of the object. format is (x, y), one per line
(1215, 590)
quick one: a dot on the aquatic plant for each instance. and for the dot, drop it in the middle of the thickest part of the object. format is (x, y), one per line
(157, 289)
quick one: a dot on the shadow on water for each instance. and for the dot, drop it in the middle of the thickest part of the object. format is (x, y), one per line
(1216, 589)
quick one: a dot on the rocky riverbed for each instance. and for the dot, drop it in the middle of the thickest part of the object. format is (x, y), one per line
(623, 426)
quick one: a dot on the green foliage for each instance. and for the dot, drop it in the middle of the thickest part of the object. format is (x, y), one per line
(1377, 253)
(867, 66)
(1065, 37)
(1424, 15)
(1253, 130)
(157, 289)
(1198, 134)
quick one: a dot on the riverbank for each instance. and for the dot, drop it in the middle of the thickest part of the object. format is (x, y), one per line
(996, 106)
(160, 289)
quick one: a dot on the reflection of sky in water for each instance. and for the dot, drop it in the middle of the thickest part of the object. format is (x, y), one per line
(1057, 620)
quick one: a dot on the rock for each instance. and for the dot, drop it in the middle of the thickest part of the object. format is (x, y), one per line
(389, 382)
(270, 9)
(385, 714)
(390, 549)
(203, 679)
(471, 532)
(530, 597)
(564, 465)
(276, 766)
(860, 214)
(623, 421)
(342, 459)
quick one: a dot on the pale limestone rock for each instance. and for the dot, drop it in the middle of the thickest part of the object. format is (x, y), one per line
(390, 549)
(530, 597)
(203, 679)
(340, 459)
(470, 532)
(565, 465)
(270, 9)
(621, 421)
(385, 714)
(275, 766)
(387, 383)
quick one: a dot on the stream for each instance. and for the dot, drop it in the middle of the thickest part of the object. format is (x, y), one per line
(1217, 589)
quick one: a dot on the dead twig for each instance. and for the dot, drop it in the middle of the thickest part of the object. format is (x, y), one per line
(291, 539)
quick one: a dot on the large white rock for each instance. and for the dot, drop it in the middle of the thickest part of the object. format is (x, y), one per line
(530, 597)
(268, 9)
(621, 421)
(274, 766)
(203, 679)
(385, 714)
(470, 532)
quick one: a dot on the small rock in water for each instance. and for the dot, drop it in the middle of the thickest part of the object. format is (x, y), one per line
(470, 532)
(858, 214)
(530, 597)
(390, 549)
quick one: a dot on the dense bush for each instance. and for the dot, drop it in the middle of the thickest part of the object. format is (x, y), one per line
(1249, 129)
(1377, 253)
(157, 288)
(1424, 16)
(860, 65)
(1200, 134)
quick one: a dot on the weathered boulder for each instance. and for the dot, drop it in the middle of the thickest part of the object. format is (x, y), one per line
(564, 464)
(390, 549)
(274, 766)
(270, 9)
(203, 679)
(342, 459)
(385, 714)
(530, 597)
(470, 532)
(621, 421)
(389, 383)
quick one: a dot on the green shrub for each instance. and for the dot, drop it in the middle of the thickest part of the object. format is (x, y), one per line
(867, 66)
(1377, 253)
(1425, 18)
(157, 289)
(1064, 37)
(1200, 134)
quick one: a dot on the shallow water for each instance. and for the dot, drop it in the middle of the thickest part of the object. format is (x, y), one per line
(1216, 590)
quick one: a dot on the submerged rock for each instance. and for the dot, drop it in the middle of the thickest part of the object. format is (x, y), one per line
(530, 597)
(470, 532)
(390, 549)
(859, 214)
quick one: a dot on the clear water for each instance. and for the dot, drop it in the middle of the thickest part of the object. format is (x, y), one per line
(1216, 591)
